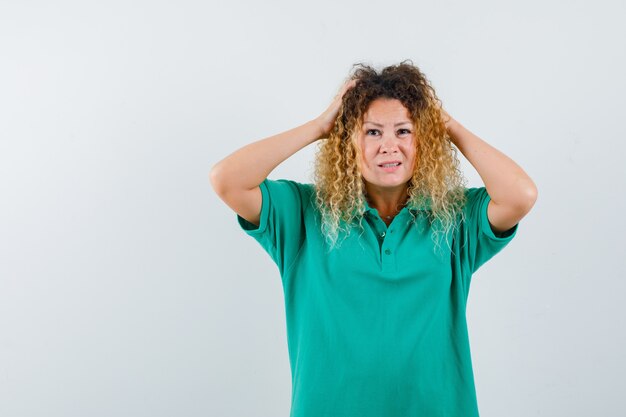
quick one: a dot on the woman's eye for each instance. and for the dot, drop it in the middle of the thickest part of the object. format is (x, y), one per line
(401, 131)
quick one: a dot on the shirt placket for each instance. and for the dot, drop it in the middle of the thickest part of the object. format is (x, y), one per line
(387, 241)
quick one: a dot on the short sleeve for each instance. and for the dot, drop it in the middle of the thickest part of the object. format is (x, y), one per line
(281, 229)
(479, 243)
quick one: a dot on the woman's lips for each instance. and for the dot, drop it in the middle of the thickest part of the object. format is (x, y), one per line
(390, 169)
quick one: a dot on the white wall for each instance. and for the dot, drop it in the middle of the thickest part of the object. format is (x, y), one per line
(126, 286)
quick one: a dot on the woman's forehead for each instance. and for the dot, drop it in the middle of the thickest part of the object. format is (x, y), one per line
(386, 111)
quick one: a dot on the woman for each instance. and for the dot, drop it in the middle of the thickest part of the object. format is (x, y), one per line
(376, 319)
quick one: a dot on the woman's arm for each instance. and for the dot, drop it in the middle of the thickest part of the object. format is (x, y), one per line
(237, 177)
(248, 166)
(512, 191)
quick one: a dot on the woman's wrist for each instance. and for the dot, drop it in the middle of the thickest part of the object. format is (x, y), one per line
(317, 124)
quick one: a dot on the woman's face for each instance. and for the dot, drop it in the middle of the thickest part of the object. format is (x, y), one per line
(387, 136)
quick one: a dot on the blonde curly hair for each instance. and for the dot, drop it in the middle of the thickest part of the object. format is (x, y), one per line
(437, 182)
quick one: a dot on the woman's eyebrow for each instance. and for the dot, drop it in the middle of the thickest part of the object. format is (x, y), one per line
(378, 124)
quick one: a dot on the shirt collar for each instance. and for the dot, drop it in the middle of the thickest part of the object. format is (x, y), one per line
(422, 206)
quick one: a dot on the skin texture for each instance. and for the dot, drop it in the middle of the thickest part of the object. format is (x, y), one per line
(387, 191)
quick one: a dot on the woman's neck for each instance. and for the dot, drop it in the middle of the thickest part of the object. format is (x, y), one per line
(387, 203)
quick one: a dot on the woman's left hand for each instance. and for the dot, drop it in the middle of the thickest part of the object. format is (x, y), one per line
(446, 118)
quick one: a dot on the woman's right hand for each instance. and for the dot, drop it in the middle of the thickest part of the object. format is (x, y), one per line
(326, 120)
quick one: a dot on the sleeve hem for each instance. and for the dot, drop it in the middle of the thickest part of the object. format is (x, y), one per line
(251, 228)
(504, 236)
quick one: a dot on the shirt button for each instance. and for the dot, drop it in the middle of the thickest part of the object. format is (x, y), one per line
(387, 252)
(382, 234)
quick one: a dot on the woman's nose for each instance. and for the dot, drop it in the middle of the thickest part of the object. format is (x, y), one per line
(389, 143)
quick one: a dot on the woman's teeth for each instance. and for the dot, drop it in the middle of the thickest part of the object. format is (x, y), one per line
(390, 165)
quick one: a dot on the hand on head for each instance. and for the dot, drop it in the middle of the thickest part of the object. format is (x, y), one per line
(327, 119)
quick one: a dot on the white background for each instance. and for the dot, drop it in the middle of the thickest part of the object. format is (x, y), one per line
(126, 285)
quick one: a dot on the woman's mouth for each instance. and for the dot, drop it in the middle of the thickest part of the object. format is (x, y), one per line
(390, 167)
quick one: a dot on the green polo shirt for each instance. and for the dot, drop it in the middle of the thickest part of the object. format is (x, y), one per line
(377, 327)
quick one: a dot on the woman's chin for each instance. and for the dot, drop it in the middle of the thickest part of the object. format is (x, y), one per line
(388, 183)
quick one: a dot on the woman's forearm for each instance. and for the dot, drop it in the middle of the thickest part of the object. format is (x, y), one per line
(506, 182)
(248, 166)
